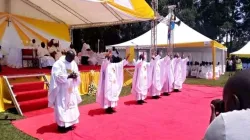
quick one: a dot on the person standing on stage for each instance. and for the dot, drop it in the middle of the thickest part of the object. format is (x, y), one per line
(141, 79)
(63, 95)
(169, 76)
(157, 75)
(179, 71)
(110, 84)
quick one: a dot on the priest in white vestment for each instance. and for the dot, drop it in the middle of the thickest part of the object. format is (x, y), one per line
(158, 77)
(169, 76)
(184, 62)
(33, 43)
(44, 57)
(55, 50)
(180, 71)
(110, 84)
(141, 79)
(63, 95)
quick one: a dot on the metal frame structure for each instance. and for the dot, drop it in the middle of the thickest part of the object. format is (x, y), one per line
(171, 40)
(154, 26)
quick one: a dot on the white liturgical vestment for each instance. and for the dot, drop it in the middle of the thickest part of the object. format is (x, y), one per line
(180, 72)
(158, 76)
(44, 57)
(64, 96)
(142, 79)
(169, 76)
(110, 83)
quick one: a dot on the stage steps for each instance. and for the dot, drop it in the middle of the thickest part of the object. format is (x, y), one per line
(28, 96)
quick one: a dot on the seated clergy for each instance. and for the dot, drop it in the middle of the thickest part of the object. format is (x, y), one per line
(45, 59)
(194, 69)
(54, 49)
(33, 44)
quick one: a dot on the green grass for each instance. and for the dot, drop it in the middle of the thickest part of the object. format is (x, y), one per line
(9, 132)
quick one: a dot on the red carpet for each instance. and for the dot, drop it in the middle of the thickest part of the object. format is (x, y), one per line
(181, 116)
(31, 97)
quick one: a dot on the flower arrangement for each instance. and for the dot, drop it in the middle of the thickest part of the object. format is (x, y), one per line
(92, 89)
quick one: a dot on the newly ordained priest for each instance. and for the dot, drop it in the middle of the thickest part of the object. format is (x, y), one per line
(110, 84)
(158, 77)
(141, 79)
(180, 71)
(43, 54)
(64, 96)
(169, 76)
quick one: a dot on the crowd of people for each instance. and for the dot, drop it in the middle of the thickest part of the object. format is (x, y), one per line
(204, 70)
(234, 64)
(50, 52)
(158, 77)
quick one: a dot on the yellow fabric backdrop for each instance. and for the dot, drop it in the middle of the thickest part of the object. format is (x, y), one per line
(86, 78)
(130, 51)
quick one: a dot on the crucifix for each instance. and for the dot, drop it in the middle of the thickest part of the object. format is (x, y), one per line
(8, 20)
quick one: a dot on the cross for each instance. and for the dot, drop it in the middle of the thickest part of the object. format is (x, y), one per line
(8, 20)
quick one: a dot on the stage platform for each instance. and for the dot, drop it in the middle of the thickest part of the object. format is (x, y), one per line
(88, 74)
(14, 71)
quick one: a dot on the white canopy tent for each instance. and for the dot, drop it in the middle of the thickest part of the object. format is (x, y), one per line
(80, 13)
(243, 52)
(43, 20)
(186, 40)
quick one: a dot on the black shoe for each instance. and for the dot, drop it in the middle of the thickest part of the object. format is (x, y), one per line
(70, 128)
(155, 97)
(139, 102)
(112, 110)
(143, 101)
(177, 90)
(109, 110)
(62, 129)
(165, 94)
(158, 97)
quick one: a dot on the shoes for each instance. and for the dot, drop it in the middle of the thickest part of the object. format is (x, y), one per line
(110, 110)
(165, 94)
(64, 129)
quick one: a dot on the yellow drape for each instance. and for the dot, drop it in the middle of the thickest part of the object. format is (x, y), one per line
(3, 26)
(86, 78)
(131, 52)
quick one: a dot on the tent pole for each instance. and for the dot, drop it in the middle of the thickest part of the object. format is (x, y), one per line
(153, 25)
(71, 35)
(214, 59)
(223, 60)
